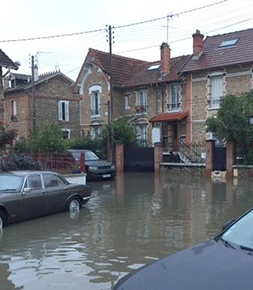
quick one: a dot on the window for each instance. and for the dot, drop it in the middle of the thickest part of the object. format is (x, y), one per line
(51, 180)
(174, 97)
(95, 132)
(141, 134)
(65, 133)
(229, 42)
(127, 101)
(95, 93)
(141, 101)
(63, 111)
(216, 90)
(13, 110)
(34, 182)
(154, 67)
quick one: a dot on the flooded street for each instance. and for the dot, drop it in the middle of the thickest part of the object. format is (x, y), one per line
(129, 222)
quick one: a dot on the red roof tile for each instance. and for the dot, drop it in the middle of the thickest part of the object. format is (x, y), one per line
(215, 56)
(169, 117)
(128, 72)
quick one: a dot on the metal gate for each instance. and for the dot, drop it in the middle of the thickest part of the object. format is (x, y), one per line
(138, 158)
(220, 158)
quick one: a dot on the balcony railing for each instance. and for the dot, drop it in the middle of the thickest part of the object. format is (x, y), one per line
(141, 109)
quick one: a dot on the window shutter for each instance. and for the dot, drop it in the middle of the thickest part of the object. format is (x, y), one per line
(60, 110)
(67, 111)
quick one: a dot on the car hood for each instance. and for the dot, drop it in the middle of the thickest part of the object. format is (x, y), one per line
(98, 163)
(210, 266)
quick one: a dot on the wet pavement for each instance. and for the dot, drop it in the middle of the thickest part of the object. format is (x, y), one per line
(131, 221)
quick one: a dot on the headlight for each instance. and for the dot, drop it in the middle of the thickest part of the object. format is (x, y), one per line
(93, 168)
(112, 166)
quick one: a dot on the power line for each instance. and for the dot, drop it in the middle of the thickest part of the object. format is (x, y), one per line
(104, 29)
(52, 36)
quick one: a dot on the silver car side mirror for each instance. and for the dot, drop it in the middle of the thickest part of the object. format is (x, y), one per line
(27, 189)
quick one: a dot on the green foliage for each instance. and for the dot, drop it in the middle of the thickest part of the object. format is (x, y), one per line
(123, 132)
(232, 122)
(6, 137)
(18, 162)
(47, 139)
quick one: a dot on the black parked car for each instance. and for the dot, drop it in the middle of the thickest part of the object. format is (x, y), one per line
(224, 262)
(94, 167)
(29, 194)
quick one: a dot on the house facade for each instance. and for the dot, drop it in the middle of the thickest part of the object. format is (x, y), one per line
(50, 101)
(141, 90)
(5, 62)
(220, 65)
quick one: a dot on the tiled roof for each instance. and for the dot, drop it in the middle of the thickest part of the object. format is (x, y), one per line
(122, 67)
(215, 56)
(128, 72)
(169, 117)
(42, 78)
(5, 61)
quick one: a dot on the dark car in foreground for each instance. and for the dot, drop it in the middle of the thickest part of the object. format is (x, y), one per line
(225, 262)
(94, 166)
(29, 194)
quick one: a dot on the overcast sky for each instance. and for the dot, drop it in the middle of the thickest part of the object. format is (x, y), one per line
(32, 18)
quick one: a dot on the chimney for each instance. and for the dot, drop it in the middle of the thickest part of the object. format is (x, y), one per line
(36, 73)
(198, 43)
(165, 58)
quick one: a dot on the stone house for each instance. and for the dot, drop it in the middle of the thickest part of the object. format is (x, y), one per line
(220, 65)
(5, 62)
(141, 91)
(50, 101)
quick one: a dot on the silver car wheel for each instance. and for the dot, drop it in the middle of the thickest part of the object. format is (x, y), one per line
(74, 209)
(1, 223)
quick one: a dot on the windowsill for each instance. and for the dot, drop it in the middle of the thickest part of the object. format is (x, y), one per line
(96, 116)
(175, 110)
(213, 108)
(63, 121)
(141, 113)
(127, 108)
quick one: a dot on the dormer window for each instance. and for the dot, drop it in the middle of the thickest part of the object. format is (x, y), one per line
(229, 42)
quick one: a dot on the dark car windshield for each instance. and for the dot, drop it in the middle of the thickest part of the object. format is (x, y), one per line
(10, 183)
(241, 233)
(89, 156)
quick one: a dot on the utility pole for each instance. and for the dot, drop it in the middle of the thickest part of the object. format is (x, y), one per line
(110, 137)
(33, 98)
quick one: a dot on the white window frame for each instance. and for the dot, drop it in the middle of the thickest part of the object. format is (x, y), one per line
(142, 100)
(95, 93)
(14, 108)
(216, 90)
(127, 101)
(68, 131)
(174, 104)
(63, 111)
(95, 132)
(142, 130)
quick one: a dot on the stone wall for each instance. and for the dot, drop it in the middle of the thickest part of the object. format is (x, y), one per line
(183, 169)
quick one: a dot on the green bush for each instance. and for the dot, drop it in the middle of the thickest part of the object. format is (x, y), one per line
(18, 162)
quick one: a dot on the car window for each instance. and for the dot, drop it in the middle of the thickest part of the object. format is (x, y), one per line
(34, 182)
(89, 156)
(241, 233)
(50, 180)
(10, 182)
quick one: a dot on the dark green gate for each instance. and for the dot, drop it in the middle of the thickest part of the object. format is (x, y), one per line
(138, 158)
(220, 158)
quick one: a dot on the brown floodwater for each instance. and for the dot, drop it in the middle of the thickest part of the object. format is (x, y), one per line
(129, 222)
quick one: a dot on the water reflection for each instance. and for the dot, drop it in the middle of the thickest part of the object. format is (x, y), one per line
(130, 222)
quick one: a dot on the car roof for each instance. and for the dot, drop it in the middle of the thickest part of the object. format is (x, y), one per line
(26, 172)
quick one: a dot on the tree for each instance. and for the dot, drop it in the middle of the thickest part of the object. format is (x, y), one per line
(46, 140)
(233, 122)
(7, 137)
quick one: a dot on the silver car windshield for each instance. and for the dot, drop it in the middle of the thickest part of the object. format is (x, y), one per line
(89, 156)
(241, 233)
(10, 183)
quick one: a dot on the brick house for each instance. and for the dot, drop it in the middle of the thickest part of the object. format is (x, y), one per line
(141, 90)
(220, 65)
(54, 104)
(5, 62)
